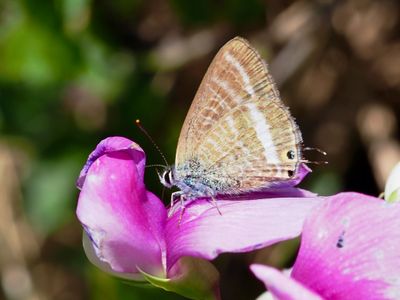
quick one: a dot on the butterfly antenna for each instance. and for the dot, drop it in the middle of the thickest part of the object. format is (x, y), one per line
(314, 149)
(139, 124)
(154, 165)
(324, 162)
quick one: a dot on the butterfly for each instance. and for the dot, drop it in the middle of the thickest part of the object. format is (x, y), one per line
(238, 137)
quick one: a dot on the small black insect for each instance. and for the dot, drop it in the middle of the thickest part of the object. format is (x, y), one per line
(340, 241)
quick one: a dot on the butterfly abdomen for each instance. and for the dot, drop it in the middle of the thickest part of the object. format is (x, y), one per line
(197, 180)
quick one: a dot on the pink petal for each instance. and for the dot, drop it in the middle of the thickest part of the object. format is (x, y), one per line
(90, 252)
(112, 144)
(350, 249)
(244, 225)
(281, 286)
(302, 172)
(124, 221)
(280, 192)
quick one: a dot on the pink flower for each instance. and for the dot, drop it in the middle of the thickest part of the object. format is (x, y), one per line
(128, 233)
(350, 249)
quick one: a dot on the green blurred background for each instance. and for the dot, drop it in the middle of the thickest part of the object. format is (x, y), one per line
(75, 71)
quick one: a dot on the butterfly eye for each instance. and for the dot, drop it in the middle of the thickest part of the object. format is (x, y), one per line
(290, 154)
(167, 177)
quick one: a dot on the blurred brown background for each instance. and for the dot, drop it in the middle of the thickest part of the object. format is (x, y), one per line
(75, 71)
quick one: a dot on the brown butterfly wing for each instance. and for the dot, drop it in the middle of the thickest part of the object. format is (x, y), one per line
(234, 73)
(255, 145)
(237, 126)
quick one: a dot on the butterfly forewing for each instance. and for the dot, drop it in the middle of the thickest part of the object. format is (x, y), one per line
(237, 130)
(236, 72)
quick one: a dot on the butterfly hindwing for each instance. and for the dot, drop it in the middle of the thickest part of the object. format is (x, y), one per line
(256, 143)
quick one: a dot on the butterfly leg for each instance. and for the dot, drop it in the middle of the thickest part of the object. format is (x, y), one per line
(214, 202)
(182, 200)
(174, 197)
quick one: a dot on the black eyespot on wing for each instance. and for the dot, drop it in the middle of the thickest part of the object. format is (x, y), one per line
(290, 154)
(290, 173)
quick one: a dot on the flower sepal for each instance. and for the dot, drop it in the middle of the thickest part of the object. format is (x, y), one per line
(191, 277)
(392, 188)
